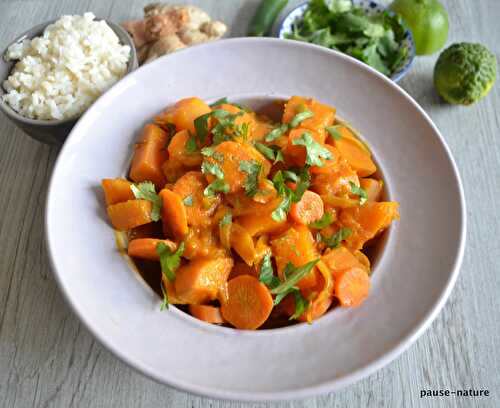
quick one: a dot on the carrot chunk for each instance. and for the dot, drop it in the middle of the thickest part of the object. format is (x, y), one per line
(352, 286)
(199, 208)
(355, 153)
(249, 303)
(150, 153)
(186, 111)
(178, 151)
(117, 190)
(209, 314)
(200, 280)
(145, 248)
(372, 187)
(173, 214)
(130, 214)
(297, 246)
(309, 209)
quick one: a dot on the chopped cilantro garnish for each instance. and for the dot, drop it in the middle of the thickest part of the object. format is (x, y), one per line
(332, 130)
(300, 117)
(169, 260)
(301, 180)
(314, 150)
(325, 221)
(201, 126)
(252, 168)
(271, 152)
(188, 200)
(293, 274)
(216, 186)
(211, 152)
(212, 168)
(164, 303)
(146, 191)
(276, 132)
(266, 275)
(336, 239)
(219, 102)
(281, 211)
(219, 184)
(360, 192)
(301, 304)
(191, 145)
(226, 220)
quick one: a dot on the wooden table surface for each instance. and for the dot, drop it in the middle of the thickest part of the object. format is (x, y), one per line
(48, 359)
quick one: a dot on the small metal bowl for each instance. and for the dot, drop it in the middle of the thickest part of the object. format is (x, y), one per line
(51, 131)
(370, 7)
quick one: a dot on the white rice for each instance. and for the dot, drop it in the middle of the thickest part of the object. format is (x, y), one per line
(60, 74)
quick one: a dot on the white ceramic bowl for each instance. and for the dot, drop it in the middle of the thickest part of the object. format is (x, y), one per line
(411, 281)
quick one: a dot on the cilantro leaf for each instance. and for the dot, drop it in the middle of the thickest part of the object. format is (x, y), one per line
(314, 150)
(217, 186)
(301, 305)
(188, 200)
(169, 260)
(293, 274)
(276, 132)
(212, 168)
(360, 192)
(266, 275)
(211, 152)
(146, 191)
(219, 102)
(164, 303)
(266, 151)
(280, 296)
(191, 145)
(281, 211)
(325, 221)
(336, 239)
(332, 130)
(201, 126)
(227, 219)
(302, 184)
(300, 117)
(252, 168)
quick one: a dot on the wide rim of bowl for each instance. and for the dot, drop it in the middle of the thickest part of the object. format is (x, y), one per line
(36, 31)
(397, 75)
(321, 388)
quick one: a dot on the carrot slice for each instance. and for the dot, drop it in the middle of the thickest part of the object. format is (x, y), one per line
(145, 248)
(309, 209)
(249, 303)
(209, 314)
(242, 243)
(352, 286)
(173, 214)
(117, 190)
(130, 214)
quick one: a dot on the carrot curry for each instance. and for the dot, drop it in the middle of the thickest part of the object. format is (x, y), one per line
(252, 222)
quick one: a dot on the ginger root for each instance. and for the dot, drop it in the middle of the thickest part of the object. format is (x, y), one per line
(167, 28)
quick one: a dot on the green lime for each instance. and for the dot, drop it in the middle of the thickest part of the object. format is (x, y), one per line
(428, 21)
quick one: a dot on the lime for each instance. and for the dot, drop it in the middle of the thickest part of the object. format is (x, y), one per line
(428, 21)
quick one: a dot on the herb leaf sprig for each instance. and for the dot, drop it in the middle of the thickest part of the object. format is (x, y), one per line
(146, 191)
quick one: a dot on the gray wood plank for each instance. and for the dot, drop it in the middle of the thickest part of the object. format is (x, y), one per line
(47, 359)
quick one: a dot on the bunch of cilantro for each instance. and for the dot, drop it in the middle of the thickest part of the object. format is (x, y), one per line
(376, 40)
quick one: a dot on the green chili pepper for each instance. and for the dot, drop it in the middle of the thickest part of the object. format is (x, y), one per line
(264, 18)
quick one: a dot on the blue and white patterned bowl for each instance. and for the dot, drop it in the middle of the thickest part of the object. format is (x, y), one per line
(370, 7)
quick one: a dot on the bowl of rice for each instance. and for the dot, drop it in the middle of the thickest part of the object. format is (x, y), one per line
(51, 74)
